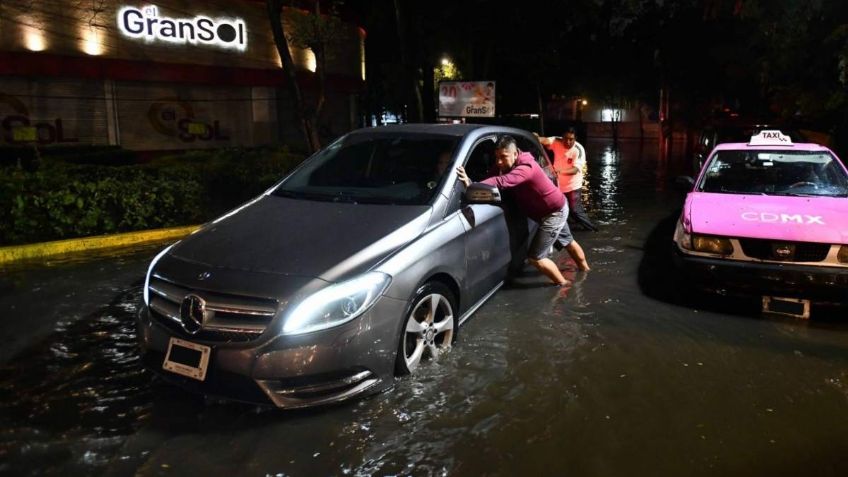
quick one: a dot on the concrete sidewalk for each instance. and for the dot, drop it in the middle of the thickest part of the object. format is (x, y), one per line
(20, 253)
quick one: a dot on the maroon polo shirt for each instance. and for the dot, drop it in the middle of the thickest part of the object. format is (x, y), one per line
(536, 195)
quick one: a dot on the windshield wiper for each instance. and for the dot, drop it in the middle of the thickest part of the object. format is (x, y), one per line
(287, 193)
(386, 200)
(303, 195)
(342, 197)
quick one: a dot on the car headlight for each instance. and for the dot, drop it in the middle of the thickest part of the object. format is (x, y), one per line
(842, 256)
(683, 238)
(716, 245)
(150, 269)
(336, 304)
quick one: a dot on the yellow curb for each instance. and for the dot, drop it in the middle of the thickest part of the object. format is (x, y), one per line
(59, 247)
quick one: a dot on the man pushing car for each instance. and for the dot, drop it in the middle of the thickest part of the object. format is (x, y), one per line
(537, 198)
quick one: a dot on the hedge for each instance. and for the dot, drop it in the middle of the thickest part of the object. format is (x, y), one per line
(31, 158)
(63, 200)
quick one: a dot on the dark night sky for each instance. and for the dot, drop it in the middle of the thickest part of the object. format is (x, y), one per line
(780, 57)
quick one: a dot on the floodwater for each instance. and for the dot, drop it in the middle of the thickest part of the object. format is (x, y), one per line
(615, 375)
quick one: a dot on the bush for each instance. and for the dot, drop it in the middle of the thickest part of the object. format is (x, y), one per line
(30, 157)
(233, 175)
(61, 200)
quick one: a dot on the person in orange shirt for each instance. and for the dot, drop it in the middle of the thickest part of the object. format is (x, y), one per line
(569, 162)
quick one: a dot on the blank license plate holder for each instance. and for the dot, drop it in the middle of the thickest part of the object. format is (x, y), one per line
(794, 307)
(187, 358)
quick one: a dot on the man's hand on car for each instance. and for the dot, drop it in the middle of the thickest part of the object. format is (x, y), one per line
(462, 176)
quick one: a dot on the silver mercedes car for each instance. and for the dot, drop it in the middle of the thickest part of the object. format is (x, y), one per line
(358, 266)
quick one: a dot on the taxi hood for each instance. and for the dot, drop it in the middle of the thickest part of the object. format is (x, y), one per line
(795, 219)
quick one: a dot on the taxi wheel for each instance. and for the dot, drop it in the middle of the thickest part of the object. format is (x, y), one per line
(429, 327)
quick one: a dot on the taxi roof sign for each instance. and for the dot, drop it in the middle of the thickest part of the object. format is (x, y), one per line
(770, 137)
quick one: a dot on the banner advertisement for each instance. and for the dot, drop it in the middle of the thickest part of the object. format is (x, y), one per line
(467, 99)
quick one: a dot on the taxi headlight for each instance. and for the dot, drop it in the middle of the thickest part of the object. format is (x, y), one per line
(683, 238)
(842, 256)
(716, 245)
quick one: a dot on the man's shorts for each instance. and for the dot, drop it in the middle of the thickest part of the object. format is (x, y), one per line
(552, 227)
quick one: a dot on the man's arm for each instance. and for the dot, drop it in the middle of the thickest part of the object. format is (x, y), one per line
(517, 175)
(545, 141)
(579, 161)
(581, 157)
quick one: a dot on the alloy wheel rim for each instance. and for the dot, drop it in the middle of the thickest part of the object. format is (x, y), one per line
(429, 330)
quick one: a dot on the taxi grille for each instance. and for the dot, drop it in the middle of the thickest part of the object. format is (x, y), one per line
(799, 251)
(227, 317)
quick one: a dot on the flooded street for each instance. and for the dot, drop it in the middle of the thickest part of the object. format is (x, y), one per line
(615, 375)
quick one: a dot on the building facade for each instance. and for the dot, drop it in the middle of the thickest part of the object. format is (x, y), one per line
(166, 76)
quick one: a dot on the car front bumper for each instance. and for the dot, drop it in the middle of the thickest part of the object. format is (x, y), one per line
(312, 369)
(827, 285)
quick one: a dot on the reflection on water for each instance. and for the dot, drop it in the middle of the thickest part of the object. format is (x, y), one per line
(83, 257)
(608, 187)
(71, 400)
(610, 376)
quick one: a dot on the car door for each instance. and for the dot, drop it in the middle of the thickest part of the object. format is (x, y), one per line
(487, 238)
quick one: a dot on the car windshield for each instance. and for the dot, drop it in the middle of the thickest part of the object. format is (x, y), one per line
(375, 169)
(801, 173)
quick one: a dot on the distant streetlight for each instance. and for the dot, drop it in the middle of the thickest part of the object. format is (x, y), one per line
(446, 71)
(577, 105)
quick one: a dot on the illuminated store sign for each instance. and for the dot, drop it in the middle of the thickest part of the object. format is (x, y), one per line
(146, 24)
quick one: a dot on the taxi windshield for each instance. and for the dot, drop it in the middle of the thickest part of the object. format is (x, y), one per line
(763, 172)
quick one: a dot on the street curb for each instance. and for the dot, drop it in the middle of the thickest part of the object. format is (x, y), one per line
(38, 250)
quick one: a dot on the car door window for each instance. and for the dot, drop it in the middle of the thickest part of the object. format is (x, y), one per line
(481, 160)
(538, 154)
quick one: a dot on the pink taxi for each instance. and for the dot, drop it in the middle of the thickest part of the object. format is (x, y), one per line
(768, 218)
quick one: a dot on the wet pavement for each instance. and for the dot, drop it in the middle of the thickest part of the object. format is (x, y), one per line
(615, 375)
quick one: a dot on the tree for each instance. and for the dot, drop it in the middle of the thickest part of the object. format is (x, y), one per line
(406, 61)
(317, 32)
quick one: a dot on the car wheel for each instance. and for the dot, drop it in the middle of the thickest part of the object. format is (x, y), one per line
(429, 327)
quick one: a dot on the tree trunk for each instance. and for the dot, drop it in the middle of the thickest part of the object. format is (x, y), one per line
(428, 97)
(302, 115)
(320, 52)
(371, 102)
(405, 60)
(541, 109)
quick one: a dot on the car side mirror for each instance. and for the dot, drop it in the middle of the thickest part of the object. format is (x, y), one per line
(698, 163)
(478, 193)
(684, 183)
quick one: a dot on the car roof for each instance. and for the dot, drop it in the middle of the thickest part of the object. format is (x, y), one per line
(798, 146)
(439, 128)
(740, 131)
